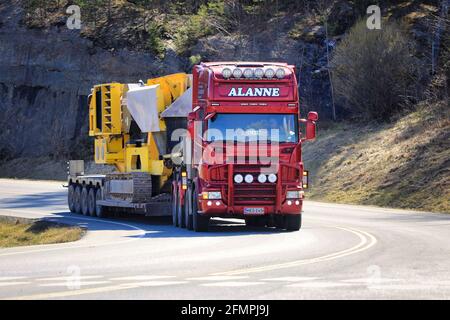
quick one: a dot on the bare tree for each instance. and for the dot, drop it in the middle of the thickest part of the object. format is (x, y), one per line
(439, 27)
(375, 71)
(324, 9)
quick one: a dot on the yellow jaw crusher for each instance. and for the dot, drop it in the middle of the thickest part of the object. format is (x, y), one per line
(130, 134)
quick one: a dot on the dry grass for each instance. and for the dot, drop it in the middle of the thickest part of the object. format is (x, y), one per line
(405, 164)
(13, 234)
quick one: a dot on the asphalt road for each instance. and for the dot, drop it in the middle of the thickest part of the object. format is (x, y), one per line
(342, 252)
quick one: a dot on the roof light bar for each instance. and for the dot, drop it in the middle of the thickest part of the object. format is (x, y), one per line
(253, 73)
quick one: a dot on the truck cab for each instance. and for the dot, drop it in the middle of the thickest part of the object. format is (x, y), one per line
(243, 155)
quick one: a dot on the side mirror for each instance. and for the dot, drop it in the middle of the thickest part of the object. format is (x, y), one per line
(313, 116)
(310, 133)
(310, 130)
(191, 116)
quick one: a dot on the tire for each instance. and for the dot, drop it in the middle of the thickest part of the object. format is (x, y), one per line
(257, 222)
(92, 202)
(77, 199)
(188, 209)
(280, 221)
(200, 223)
(293, 222)
(71, 197)
(180, 213)
(174, 207)
(100, 211)
(84, 201)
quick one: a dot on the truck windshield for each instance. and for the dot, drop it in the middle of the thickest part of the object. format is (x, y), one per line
(253, 127)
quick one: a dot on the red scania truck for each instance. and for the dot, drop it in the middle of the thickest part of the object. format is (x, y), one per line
(222, 142)
(243, 174)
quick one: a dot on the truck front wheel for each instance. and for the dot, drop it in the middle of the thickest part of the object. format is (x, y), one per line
(293, 222)
(257, 222)
(200, 223)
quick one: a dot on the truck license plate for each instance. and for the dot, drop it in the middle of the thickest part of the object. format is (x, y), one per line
(253, 210)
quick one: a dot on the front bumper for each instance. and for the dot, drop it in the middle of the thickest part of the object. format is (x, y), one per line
(237, 197)
(217, 208)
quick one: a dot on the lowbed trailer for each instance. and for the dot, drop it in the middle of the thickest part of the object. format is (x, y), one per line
(168, 140)
(94, 188)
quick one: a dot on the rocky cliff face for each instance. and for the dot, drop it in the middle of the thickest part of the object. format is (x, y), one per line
(46, 74)
(45, 77)
(47, 70)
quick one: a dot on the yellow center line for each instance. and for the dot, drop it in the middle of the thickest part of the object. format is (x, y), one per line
(367, 240)
(63, 294)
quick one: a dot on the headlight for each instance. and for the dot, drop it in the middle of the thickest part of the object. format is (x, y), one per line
(259, 73)
(249, 178)
(212, 195)
(238, 178)
(280, 73)
(248, 73)
(293, 195)
(269, 73)
(226, 73)
(262, 178)
(272, 178)
(237, 73)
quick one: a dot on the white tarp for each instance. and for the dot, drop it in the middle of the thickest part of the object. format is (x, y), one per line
(180, 107)
(142, 102)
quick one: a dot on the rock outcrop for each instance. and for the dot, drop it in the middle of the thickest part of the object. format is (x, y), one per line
(45, 78)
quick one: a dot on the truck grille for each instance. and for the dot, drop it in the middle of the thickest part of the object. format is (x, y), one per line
(255, 193)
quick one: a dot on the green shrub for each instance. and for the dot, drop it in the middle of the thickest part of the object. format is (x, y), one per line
(154, 41)
(210, 19)
(195, 59)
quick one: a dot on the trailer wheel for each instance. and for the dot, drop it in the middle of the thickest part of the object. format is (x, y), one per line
(200, 223)
(84, 201)
(293, 222)
(77, 199)
(91, 202)
(100, 211)
(71, 198)
(188, 209)
(174, 201)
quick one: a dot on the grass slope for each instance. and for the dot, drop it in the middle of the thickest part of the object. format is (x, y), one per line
(404, 164)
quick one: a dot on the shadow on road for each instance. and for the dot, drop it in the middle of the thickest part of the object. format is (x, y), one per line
(217, 228)
(155, 227)
(36, 200)
(160, 227)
